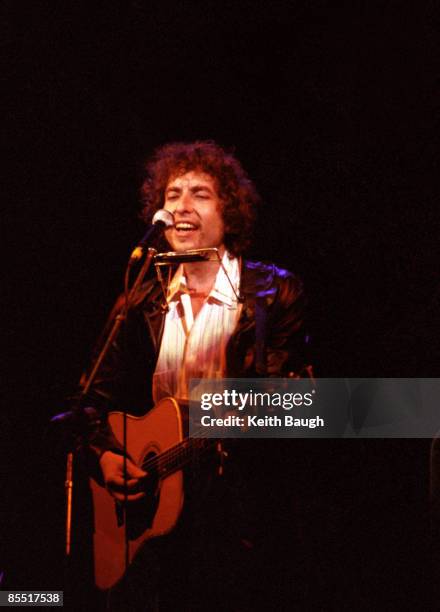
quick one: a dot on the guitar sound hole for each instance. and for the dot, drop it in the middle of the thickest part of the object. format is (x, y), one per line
(140, 514)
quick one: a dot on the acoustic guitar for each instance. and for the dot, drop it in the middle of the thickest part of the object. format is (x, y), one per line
(156, 442)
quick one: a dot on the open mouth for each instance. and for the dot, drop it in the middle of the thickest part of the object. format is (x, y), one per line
(184, 227)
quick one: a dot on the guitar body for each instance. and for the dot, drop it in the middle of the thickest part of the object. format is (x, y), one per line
(147, 437)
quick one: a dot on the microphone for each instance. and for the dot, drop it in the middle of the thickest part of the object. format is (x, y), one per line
(162, 220)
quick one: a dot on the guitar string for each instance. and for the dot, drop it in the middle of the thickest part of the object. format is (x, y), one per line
(179, 460)
(169, 464)
(173, 453)
(177, 452)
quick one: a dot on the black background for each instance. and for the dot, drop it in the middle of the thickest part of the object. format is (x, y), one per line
(330, 108)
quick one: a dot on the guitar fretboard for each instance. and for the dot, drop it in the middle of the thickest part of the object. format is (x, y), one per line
(177, 456)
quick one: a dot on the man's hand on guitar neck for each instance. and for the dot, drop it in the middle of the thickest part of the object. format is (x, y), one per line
(112, 466)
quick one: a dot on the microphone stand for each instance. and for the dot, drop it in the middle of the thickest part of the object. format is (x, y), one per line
(79, 410)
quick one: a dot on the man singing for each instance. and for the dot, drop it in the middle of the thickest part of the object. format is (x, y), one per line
(222, 318)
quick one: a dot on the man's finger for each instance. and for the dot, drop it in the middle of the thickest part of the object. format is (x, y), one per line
(134, 470)
(117, 482)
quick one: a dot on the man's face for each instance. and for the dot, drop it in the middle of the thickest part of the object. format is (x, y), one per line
(192, 198)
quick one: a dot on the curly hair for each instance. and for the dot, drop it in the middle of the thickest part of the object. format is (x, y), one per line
(236, 191)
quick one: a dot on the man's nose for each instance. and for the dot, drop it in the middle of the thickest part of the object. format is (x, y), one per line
(184, 203)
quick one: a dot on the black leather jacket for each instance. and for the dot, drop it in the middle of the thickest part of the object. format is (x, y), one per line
(268, 341)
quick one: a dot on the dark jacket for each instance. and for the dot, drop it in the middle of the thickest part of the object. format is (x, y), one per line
(268, 341)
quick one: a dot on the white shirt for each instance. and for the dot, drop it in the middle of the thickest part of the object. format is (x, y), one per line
(196, 348)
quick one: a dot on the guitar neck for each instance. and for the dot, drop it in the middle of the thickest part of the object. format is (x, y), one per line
(176, 457)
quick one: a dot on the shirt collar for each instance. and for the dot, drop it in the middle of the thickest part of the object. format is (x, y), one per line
(221, 291)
